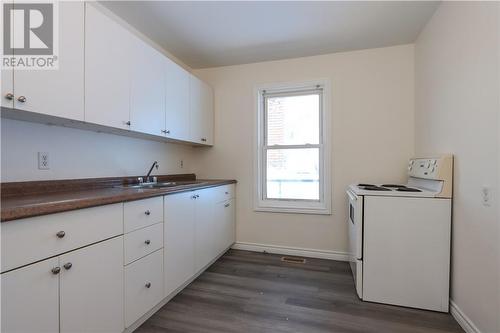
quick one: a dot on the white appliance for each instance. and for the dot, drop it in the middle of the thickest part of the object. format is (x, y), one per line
(399, 237)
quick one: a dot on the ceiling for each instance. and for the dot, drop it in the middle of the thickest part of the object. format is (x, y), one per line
(220, 33)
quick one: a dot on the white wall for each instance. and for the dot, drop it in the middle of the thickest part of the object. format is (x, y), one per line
(457, 110)
(373, 135)
(77, 153)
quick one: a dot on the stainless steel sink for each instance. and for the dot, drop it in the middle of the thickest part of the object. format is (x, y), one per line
(160, 185)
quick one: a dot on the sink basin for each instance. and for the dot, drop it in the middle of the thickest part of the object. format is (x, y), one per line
(161, 185)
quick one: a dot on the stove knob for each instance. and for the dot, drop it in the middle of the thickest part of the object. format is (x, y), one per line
(433, 169)
(428, 165)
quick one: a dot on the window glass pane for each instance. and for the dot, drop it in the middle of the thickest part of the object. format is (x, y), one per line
(293, 120)
(293, 174)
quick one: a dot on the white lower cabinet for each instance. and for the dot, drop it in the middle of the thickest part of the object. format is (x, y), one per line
(197, 230)
(205, 228)
(179, 240)
(63, 284)
(30, 298)
(143, 286)
(80, 291)
(224, 225)
(92, 288)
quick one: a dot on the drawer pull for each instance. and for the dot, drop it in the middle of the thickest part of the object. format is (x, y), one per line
(148, 285)
(67, 265)
(147, 212)
(227, 205)
(55, 270)
(147, 241)
(61, 234)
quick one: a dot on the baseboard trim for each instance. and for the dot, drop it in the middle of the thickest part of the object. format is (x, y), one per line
(295, 251)
(462, 319)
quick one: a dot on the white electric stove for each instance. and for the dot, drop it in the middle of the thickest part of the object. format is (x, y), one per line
(399, 237)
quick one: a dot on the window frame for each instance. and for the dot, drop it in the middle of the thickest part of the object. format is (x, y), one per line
(303, 206)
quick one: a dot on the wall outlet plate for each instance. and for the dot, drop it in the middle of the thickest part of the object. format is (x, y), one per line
(43, 161)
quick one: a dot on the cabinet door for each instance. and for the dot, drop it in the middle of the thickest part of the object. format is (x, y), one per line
(228, 227)
(107, 73)
(147, 92)
(201, 111)
(30, 298)
(205, 234)
(58, 92)
(178, 240)
(177, 101)
(92, 288)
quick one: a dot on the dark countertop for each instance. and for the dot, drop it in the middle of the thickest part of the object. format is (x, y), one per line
(21, 205)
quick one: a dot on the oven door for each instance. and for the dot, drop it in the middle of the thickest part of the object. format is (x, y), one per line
(355, 222)
(355, 227)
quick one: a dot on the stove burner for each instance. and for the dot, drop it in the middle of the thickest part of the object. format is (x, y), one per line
(394, 186)
(408, 189)
(365, 185)
(374, 188)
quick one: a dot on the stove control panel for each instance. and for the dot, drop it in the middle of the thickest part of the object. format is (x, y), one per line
(434, 169)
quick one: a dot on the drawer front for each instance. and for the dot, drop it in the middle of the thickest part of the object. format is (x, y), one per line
(28, 240)
(139, 298)
(142, 213)
(225, 192)
(142, 242)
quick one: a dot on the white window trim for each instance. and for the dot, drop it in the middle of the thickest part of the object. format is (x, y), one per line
(324, 206)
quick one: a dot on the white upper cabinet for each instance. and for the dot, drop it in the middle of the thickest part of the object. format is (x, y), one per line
(177, 101)
(108, 76)
(54, 92)
(107, 70)
(201, 111)
(147, 92)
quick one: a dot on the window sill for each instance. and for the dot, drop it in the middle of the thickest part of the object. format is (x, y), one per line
(290, 210)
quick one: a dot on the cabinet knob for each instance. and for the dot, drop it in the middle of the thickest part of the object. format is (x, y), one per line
(61, 234)
(226, 192)
(68, 265)
(55, 270)
(21, 99)
(148, 285)
(128, 123)
(227, 205)
(147, 212)
(9, 96)
(197, 196)
(147, 241)
(165, 131)
(204, 139)
(193, 197)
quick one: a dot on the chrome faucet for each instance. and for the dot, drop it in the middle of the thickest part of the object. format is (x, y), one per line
(155, 164)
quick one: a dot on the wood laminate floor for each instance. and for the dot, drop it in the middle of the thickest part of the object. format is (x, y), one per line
(256, 292)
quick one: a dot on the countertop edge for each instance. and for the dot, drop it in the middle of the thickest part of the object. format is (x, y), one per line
(17, 213)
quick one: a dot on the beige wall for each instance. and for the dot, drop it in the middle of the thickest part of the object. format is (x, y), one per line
(77, 153)
(457, 107)
(373, 135)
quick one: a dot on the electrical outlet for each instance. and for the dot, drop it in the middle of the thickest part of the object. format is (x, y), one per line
(486, 195)
(43, 161)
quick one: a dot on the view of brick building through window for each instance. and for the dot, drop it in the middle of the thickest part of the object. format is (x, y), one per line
(293, 136)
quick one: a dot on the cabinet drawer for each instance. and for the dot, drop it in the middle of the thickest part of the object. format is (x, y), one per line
(223, 193)
(143, 286)
(28, 240)
(142, 242)
(142, 213)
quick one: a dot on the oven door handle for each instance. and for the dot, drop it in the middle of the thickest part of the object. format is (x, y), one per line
(352, 196)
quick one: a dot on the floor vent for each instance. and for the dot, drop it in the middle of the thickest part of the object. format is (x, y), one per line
(294, 260)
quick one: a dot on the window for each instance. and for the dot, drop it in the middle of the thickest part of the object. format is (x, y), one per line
(292, 159)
